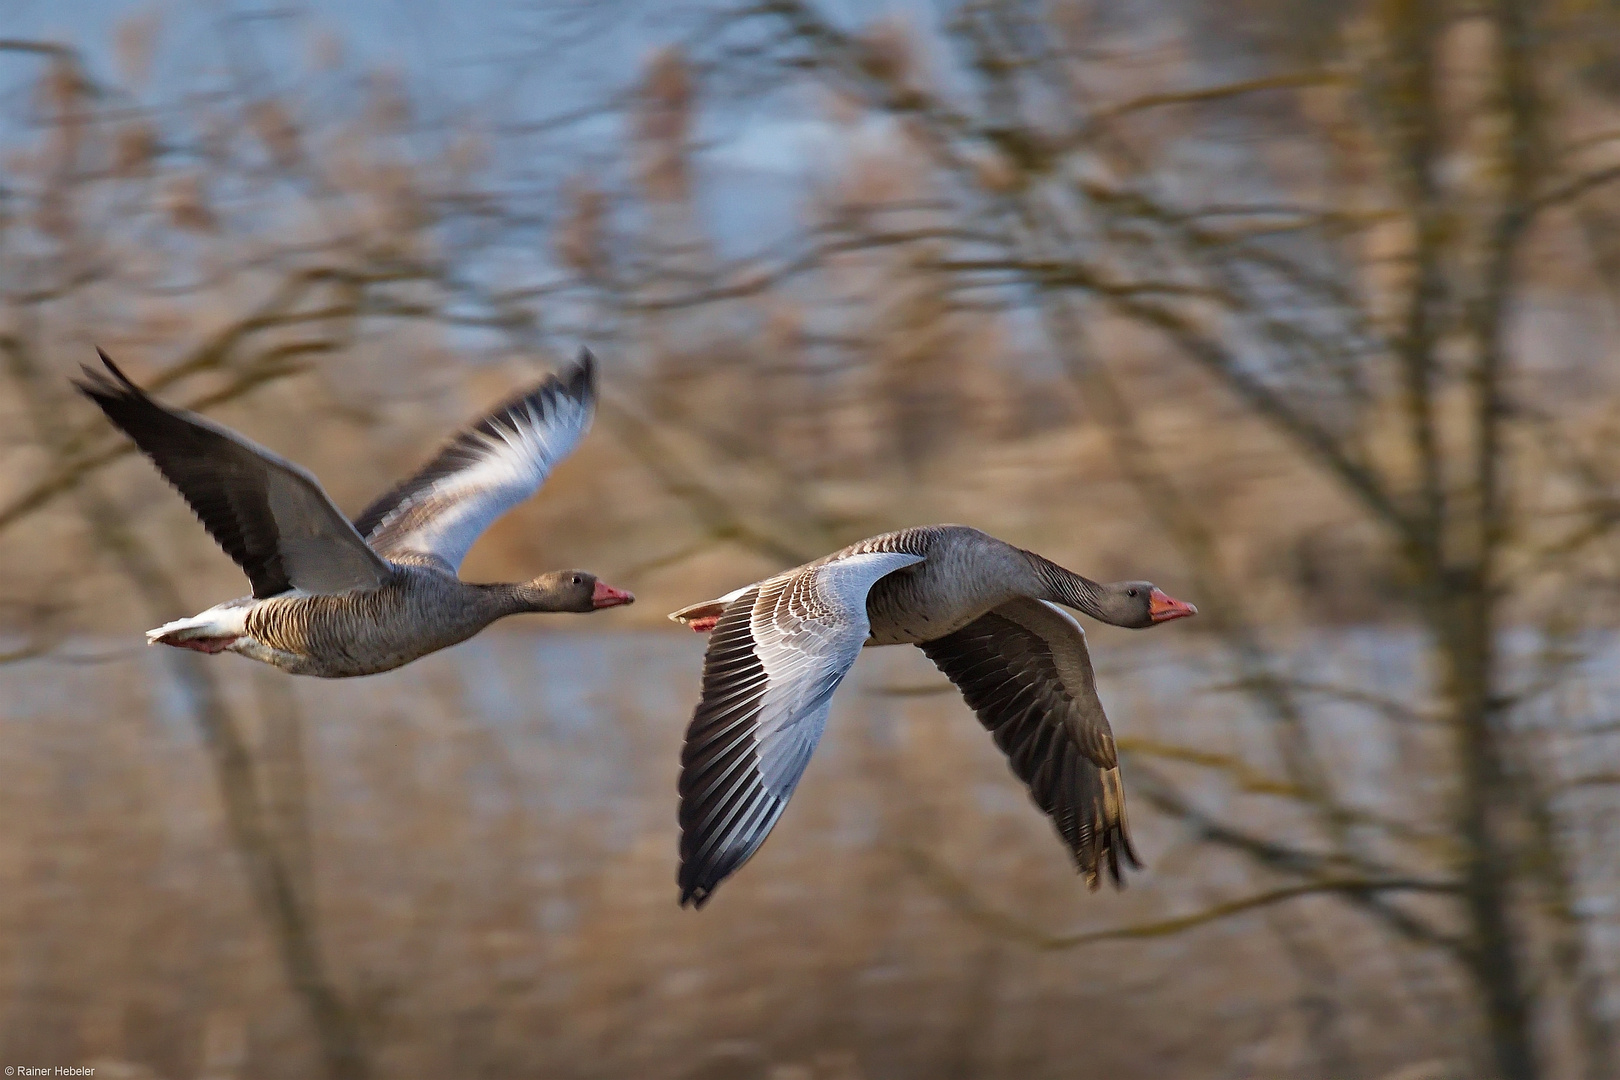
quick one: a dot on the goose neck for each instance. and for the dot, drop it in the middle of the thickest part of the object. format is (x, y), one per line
(1060, 586)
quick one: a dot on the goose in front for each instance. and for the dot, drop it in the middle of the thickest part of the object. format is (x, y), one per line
(336, 598)
(989, 615)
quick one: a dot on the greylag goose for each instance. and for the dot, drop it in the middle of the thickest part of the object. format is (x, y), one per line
(337, 599)
(985, 612)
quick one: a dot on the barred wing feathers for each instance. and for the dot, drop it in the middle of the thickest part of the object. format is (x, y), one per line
(485, 470)
(269, 515)
(1025, 670)
(774, 659)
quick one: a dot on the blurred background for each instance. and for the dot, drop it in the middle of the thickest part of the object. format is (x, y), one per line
(1304, 310)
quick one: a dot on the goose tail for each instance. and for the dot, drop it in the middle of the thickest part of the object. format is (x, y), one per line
(214, 630)
(700, 618)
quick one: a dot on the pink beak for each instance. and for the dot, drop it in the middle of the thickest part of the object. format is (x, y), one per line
(606, 595)
(1163, 608)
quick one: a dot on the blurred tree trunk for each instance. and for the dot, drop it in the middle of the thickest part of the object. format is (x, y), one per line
(290, 914)
(287, 910)
(1464, 626)
(1468, 591)
(284, 776)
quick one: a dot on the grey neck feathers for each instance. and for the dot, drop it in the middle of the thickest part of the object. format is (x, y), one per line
(1066, 587)
(514, 598)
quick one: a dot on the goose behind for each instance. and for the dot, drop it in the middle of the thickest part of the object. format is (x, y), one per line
(335, 598)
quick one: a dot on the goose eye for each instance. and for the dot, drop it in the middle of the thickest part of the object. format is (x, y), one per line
(577, 579)
(1130, 592)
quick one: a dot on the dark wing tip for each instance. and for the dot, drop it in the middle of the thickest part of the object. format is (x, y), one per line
(1120, 853)
(117, 374)
(580, 381)
(105, 392)
(1128, 849)
(700, 877)
(701, 871)
(92, 384)
(96, 386)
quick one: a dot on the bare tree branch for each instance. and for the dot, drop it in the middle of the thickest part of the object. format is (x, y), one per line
(954, 891)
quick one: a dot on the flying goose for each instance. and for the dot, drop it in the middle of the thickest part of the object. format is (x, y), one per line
(334, 598)
(986, 613)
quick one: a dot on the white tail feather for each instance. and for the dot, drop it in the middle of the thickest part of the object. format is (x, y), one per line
(707, 609)
(216, 622)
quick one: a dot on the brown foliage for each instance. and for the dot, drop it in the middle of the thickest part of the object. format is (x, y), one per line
(664, 125)
(1314, 346)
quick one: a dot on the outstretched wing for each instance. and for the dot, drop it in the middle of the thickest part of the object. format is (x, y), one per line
(1025, 670)
(485, 470)
(268, 514)
(777, 654)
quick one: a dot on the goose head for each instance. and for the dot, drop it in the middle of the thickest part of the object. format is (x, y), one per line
(1138, 604)
(571, 590)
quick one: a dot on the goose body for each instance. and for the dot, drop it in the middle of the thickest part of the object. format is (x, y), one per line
(336, 599)
(989, 615)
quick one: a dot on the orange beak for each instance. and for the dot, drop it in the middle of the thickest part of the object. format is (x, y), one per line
(1163, 608)
(605, 595)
